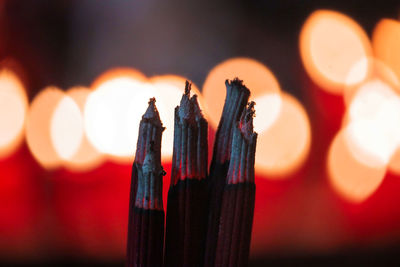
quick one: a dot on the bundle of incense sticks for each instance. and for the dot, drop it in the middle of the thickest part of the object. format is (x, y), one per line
(236, 99)
(187, 195)
(146, 215)
(209, 219)
(238, 198)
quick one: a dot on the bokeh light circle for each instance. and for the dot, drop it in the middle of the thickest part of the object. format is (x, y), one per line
(13, 108)
(38, 135)
(386, 43)
(377, 70)
(67, 132)
(349, 177)
(66, 128)
(284, 146)
(330, 44)
(372, 123)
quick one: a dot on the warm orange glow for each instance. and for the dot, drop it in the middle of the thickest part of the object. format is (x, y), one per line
(377, 70)
(38, 126)
(66, 129)
(268, 108)
(68, 136)
(256, 76)
(330, 44)
(113, 112)
(118, 72)
(13, 106)
(373, 123)
(169, 90)
(394, 164)
(283, 148)
(349, 177)
(386, 43)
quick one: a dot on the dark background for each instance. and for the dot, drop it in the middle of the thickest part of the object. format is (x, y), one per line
(68, 43)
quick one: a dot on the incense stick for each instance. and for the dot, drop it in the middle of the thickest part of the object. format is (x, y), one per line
(237, 96)
(148, 214)
(150, 132)
(187, 196)
(236, 220)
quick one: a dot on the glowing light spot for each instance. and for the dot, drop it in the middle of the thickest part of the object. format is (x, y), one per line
(377, 70)
(386, 43)
(86, 157)
(13, 106)
(283, 148)
(66, 128)
(349, 177)
(268, 108)
(169, 90)
(330, 44)
(38, 127)
(256, 76)
(394, 164)
(116, 73)
(113, 112)
(373, 129)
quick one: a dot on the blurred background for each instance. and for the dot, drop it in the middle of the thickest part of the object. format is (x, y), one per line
(75, 78)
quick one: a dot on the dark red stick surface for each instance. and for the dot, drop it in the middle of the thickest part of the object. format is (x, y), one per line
(146, 215)
(236, 98)
(187, 196)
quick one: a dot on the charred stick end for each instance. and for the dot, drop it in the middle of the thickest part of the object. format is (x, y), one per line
(237, 95)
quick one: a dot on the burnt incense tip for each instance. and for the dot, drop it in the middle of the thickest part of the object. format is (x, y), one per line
(151, 111)
(246, 120)
(188, 87)
(236, 83)
(196, 108)
(185, 109)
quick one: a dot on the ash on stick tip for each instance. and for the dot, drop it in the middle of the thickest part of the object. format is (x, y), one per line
(246, 120)
(185, 106)
(150, 163)
(151, 113)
